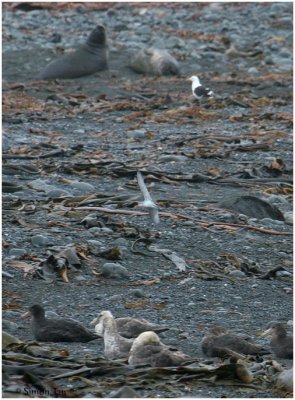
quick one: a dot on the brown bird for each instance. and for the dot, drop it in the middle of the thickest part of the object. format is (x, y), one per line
(281, 344)
(57, 329)
(219, 342)
(148, 349)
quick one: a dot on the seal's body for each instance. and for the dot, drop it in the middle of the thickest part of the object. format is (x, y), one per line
(87, 59)
(153, 61)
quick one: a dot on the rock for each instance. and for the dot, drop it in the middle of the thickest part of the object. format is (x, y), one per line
(288, 217)
(138, 293)
(124, 392)
(237, 274)
(96, 231)
(253, 207)
(17, 252)
(114, 270)
(172, 157)
(57, 193)
(9, 326)
(40, 240)
(82, 187)
(285, 380)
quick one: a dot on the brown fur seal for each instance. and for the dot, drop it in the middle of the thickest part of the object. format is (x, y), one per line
(154, 62)
(87, 59)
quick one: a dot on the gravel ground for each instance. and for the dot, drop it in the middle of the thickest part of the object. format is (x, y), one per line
(100, 119)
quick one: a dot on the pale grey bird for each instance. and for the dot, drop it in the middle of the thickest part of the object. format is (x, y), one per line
(148, 349)
(148, 202)
(115, 345)
(128, 327)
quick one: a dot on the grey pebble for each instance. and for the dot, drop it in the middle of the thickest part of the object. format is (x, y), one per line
(57, 193)
(51, 314)
(97, 244)
(40, 240)
(114, 270)
(82, 186)
(11, 314)
(80, 131)
(237, 274)
(116, 297)
(40, 185)
(172, 157)
(9, 326)
(96, 231)
(138, 293)
(288, 217)
(7, 274)
(282, 274)
(121, 242)
(17, 252)
(137, 133)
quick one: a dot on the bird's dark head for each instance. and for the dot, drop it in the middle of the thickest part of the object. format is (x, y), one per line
(35, 311)
(216, 330)
(275, 329)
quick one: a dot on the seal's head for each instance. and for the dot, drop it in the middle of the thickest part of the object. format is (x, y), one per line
(98, 36)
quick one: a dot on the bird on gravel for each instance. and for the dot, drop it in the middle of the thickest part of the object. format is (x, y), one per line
(57, 329)
(148, 349)
(115, 345)
(281, 344)
(219, 342)
(148, 201)
(199, 92)
(129, 327)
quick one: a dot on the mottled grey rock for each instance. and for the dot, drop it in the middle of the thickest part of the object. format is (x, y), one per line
(285, 380)
(17, 252)
(114, 270)
(9, 326)
(40, 240)
(138, 293)
(83, 187)
(237, 274)
(57, 193)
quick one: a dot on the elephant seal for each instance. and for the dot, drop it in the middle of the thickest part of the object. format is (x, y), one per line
(87, 59)
(154, 61)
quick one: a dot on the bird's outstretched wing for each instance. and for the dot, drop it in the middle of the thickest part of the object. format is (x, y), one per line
(148, 201)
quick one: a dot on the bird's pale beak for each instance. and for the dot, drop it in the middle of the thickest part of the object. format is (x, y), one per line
(267, 332)
(26, 315)
(94, 321)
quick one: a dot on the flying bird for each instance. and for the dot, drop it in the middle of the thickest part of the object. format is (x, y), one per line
(199, 92)
(148, 202)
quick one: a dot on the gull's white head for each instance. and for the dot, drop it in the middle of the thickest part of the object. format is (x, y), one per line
(194, 78)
